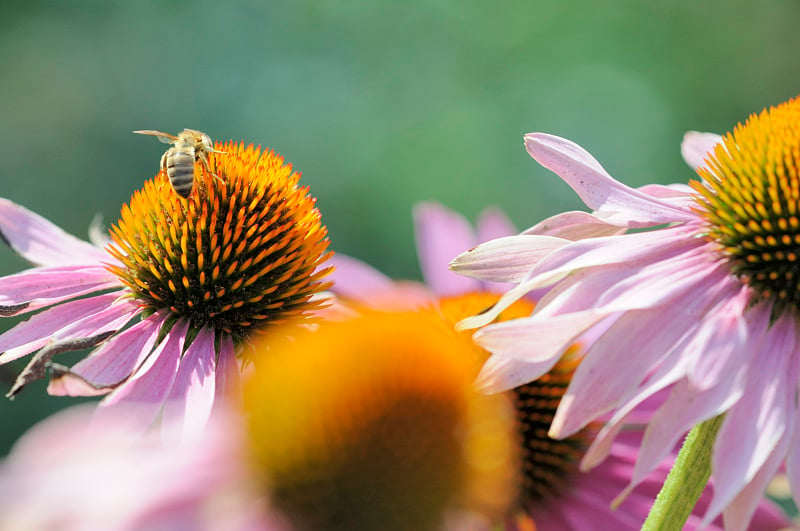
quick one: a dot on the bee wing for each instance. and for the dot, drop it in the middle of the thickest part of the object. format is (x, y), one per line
(166, 138)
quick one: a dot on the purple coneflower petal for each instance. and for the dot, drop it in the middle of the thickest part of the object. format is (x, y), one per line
(499, 373)
(684, 408)
(751, 497)
(228, 380)
(507, 259)
(42, 286)
(118, 357)
(152, 383)
(357, 280)
(613, 201)
(81, 318)
(574, 225)
(755, 425)
(493, 223)
(442, 234)
(192, 395)
(42, 243)
(696, 146)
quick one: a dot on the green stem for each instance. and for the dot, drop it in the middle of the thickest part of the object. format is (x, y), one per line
(686, 480)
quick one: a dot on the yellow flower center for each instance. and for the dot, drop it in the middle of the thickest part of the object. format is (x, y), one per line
(548, 464)
(374, 424)
(242, 251)
(751, 201)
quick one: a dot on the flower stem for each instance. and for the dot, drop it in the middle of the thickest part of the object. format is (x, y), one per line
(686, 480)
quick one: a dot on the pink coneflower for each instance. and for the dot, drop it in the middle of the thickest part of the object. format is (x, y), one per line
(552, 493)
(705, 305)
(195, 278)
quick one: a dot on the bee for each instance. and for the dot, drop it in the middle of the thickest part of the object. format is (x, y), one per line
(178, 161)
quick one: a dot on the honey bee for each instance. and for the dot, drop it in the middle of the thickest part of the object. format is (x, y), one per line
(178, 161)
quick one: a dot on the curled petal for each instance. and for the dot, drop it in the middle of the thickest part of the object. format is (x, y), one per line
(42, 243)
(696, 146)
(613, 201)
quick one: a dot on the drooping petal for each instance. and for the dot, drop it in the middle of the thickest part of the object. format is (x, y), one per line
(575, 225)
(192, 396)
(755, 425)
(684, 408)
(696, 146)
(42, 286)
(228, 376)
(151, 384)
(739, 513)
(500, 373)
(507, 259)
(609, 374)
(70, 320)
(724, 332)
(441, 235)
(118, 357)
(41, 242)
(612, 200)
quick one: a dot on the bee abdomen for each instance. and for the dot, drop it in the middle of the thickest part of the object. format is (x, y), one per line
(180, 170)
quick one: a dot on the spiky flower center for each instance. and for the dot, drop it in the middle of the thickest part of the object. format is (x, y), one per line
(244, 250)
(374, 424)
(548, 465)
(750, 198)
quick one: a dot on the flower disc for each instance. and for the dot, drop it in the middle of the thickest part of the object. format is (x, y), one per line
(244, 250)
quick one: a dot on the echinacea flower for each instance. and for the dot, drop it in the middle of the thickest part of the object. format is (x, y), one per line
(704, 305)
(552, 494)
(366, 424)
(196, 279)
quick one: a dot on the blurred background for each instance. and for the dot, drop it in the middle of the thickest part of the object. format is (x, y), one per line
(380, 105)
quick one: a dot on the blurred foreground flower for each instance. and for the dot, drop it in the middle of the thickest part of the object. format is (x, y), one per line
(705, 305)
(553, 494)
(367, 424)
(200, 275)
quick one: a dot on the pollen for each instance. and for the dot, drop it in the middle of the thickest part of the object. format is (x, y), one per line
(374, 424)
(750, 199)
(548, 466)
(244, 251)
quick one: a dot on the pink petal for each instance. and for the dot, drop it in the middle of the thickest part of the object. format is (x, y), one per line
(574, 226)
(610, 374)
(696, 146)
(40, 242)
(357, 280)
(720, 345)
(228, 376)
(118, 357)
(749, 510)
(192, 396)
(151, 384)
(614, 201)
(493, 223)
(81, 318)
(67, 383)
(500, 373)
(507, 259)
(42, 286)
(442, 234)
(668, 191)
(684, 408)
(755, 425)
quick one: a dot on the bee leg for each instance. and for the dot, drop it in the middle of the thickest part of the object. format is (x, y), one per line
(204, 160)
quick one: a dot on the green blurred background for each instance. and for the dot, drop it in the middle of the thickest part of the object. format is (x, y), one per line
(378, 104)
